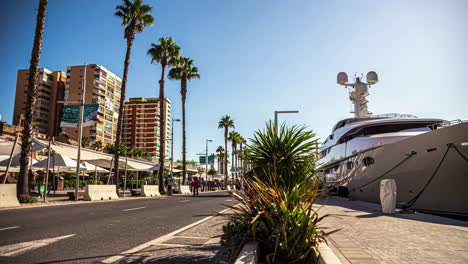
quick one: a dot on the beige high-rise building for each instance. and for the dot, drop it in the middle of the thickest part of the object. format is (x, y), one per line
(47, 112)
(103, 88)
(142, 127)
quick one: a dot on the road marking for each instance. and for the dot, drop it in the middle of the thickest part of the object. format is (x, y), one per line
(131, 209)
(229, 200)
(185, 201)
(155, 241)
(19, 248)
(11, 227)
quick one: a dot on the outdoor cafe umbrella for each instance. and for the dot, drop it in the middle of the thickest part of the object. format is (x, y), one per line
(15, 162)
(58, 161)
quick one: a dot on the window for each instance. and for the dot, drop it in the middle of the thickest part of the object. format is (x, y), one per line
(350, 165)
(368, 161)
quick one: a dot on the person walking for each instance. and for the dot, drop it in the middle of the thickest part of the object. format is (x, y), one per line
(195, 185)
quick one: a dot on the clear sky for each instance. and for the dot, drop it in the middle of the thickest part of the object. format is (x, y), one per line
(256, 57)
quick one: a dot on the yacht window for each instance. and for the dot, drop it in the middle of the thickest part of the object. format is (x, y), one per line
(350, 165)
(331, 137)
(384, 128)
(368, 161)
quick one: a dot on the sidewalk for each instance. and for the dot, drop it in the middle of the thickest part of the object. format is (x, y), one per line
(368, 236)
(193, 245)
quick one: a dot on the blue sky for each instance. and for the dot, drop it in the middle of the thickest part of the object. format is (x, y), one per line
(256, 57)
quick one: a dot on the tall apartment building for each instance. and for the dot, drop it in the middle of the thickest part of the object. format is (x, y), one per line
(103, 88)
(47, 113)
(141, 124)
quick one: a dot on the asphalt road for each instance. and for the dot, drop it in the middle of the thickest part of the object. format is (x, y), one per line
(98, 230)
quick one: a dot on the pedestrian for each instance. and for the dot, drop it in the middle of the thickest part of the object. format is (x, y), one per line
(195, 185)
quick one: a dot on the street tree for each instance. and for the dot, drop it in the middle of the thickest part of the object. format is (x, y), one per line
(165, 53)
(226, 122)
(184, 71)
(135, 17)
(31, 97)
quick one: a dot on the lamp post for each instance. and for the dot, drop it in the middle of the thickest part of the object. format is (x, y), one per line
(80, 130)
(206, 158)
(172, 155)
(282, 112)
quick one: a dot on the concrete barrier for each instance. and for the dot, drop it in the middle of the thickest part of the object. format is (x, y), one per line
(185, 189)
(150, 190)
(8, 195)
(97, 192)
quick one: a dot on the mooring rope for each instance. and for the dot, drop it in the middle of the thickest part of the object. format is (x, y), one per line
(383, 175)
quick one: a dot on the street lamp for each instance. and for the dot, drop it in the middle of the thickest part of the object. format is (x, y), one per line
(206, 158)
(172, 154)
(282, 112)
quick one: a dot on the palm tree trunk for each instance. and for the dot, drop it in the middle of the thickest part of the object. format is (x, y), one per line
(241, 160)
(225, 157)
(162, 129)
(233, 160)
(183, 92)
(118, 136)
(26, 138)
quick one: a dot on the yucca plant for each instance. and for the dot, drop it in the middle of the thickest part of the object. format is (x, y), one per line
(291, 153)
(276, 204)
(283, 221)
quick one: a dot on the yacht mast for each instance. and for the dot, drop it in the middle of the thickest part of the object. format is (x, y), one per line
(359, 92)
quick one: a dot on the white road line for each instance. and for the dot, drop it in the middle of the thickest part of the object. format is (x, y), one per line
(19, 248)
(185, 201)
(131, 209)
(11, 227)
(155, 241)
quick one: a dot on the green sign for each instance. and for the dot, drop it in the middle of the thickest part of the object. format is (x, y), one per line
(90, 114)
(210, 160)
(233, 169)
(71, 113)
(70, 116)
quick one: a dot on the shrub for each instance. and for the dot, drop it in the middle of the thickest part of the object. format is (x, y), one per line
(27, 199)
(290, 154)
(276, 205)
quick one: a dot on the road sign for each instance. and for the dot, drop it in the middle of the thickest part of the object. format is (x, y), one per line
(210, 160)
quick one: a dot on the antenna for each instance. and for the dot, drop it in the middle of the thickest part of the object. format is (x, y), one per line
(359, 92)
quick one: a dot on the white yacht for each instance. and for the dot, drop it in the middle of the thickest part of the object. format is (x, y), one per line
(427, 157)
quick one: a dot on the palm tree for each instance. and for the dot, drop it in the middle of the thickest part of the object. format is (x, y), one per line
(85, 141)
(234, 138)
(164, 53)
(220, 151)
(109, 148)
(97, 145)
(242, 141)
(26, 138)
(226, 122)
(184, 71)
(135, 17)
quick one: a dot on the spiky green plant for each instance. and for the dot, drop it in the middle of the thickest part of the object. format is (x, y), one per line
(283, 221)
(289, 153)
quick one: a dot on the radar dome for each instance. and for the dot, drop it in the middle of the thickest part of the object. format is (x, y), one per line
(342, 78)
(372, 77)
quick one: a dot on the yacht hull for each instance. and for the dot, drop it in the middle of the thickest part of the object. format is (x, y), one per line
(435, 162)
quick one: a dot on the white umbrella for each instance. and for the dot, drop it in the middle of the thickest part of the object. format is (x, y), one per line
(92, 168)
(15, 161)
(59, 161)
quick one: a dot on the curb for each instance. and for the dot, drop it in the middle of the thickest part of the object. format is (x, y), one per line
(249, 254)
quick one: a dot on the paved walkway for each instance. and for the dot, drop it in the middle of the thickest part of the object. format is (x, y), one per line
(197, 244)
(371, 237)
